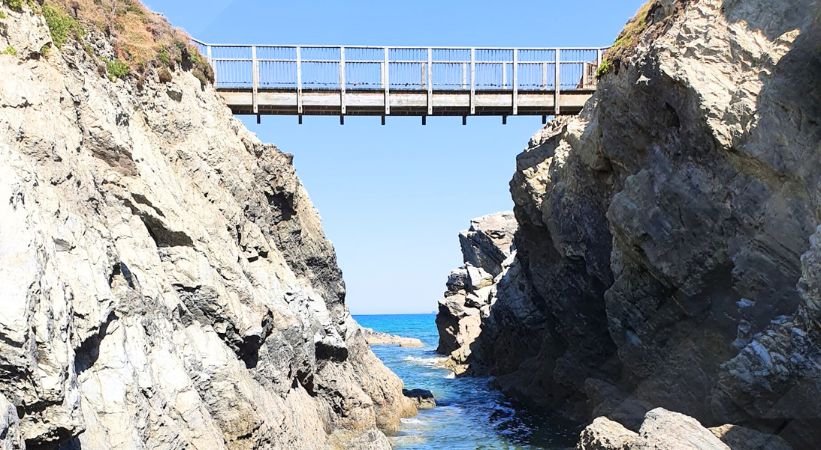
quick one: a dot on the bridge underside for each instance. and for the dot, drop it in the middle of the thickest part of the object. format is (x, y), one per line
(403, 103)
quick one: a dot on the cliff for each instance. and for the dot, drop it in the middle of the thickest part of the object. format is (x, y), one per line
(661, 232)
(165, 279)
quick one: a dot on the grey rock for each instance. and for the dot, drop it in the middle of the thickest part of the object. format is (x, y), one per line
(661, 231)
(605, 434)
(424, 398)
(487, 247)
(740, 438)
(661, 430)
(379, 338)
(11, 438)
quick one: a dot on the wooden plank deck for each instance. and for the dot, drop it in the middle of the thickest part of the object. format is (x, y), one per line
(402, 81)
(403, 103)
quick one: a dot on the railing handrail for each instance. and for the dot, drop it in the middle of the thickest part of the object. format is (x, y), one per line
(399, 47)
(427, 70)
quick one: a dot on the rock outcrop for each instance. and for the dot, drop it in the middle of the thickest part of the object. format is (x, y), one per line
(374, 337)
(487, 249)
(166, 281)
(422, 397)
(661, 232)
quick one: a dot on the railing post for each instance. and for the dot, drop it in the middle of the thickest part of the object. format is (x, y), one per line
(504, 75)
(387, 82)
(430, 81)
(472, 81)
(254, 78)
(211, 62)
(594, 81)
(464, 76)
(544, 76)
(515, 81)
(557, 85)
(342, 108)
(299, 80)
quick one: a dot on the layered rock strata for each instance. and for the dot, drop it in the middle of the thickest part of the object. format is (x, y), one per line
(166, 281)
(661, 232)
(487, 249)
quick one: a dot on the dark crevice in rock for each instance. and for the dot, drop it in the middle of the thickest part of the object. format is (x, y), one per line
(88, 352)
(164, 236)
(121, 269)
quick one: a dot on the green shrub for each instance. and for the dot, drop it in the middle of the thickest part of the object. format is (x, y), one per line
(605, 67)
(60, 25)
(10, 51)
(16, 5)
(116, 69)
(2, 15)
(164, 57)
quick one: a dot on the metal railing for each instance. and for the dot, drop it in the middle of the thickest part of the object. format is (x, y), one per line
(401, 68)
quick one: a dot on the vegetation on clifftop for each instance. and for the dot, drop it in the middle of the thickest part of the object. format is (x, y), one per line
(628, 39)
(141, 39)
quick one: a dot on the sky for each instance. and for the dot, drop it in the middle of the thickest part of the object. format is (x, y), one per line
(393, 198)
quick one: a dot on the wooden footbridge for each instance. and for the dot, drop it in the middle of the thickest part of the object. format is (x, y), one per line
(402, 81)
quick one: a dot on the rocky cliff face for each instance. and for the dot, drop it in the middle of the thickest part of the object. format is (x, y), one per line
(487, 251)
(661, 232)
(165, 279)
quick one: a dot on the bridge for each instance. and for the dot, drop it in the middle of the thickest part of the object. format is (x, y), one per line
(402, 81)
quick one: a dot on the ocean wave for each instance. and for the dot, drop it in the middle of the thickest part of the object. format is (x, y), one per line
(411, 421)
(451, 375)
(426, 361)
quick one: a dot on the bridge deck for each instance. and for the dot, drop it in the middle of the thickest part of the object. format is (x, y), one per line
(404, 81)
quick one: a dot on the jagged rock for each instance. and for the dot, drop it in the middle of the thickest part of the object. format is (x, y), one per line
(486, 250)
(488, 241)
(379, 338)
(166, 281)
(605, 434)
(10, 436)
(740, 438)
(663, 429)
(423, 397)
(660, 232)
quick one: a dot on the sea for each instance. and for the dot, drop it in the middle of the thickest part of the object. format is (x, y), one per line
(470, 414)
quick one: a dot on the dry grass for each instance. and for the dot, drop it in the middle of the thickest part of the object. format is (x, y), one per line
(628, 39)
(142, 39)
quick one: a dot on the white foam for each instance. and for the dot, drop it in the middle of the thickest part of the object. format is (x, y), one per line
(431, 361)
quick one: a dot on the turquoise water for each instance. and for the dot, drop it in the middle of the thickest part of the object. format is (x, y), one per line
(470, 415)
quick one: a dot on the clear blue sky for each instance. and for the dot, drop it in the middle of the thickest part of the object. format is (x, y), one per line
(393, 198)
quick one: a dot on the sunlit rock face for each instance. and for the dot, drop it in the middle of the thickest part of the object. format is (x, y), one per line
(487, 252)
(165, 279)
(661, 232)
